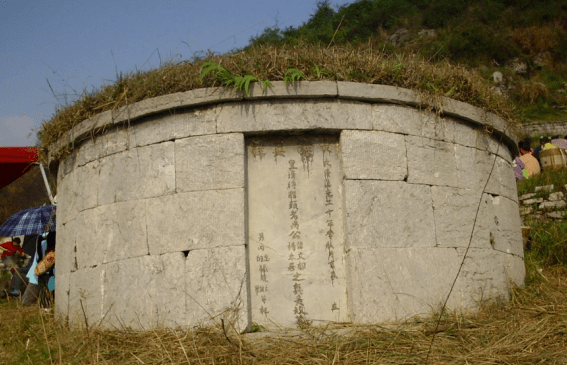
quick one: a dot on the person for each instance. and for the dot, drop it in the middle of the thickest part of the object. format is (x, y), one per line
(539, 148)
(11, 248)
(532, 166)
(45, 243)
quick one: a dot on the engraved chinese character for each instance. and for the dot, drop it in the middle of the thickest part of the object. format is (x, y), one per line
(260, 236)
(261, 247)
(291, 246)
(334, 307)
(259, 258)
(300, 255)
(300, 245)
(295, 234)
(301, 266)
(291, 267)
(326, 162)
(278, 151)
(264, 310)
(264, 299)
(297, 290)
(266, 258)
(291, 257)
(294, 225)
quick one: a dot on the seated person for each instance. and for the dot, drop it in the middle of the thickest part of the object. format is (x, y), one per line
(532, 166)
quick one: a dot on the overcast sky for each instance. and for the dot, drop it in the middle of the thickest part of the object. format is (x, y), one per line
(78, 45)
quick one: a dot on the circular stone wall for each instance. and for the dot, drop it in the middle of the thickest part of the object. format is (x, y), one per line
(311, 203)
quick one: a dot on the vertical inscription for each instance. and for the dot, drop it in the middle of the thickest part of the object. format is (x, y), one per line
(296, 239)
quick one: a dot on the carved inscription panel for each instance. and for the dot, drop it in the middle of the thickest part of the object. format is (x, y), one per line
(296, 240)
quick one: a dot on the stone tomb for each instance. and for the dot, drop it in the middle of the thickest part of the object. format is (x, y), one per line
(296, 239)
(313, 203)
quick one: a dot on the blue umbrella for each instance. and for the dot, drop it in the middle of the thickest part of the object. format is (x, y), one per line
(30, 221)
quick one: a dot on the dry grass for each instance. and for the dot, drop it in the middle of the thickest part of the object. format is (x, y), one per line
(345, 63)
(530, 329)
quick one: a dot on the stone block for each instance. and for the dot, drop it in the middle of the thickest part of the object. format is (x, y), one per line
(174, 126)
(388, 214)
(145, 292)
(85, 297)
(503, 180)
(106, 143)
(499, 224)
(455, 211)
(66, 234)
(73, 197)
(110, 233)
(377, 93)
(473, 167)
(408, 120)
(292, 116)
(555, 204)
(189, 221)
(217, 286)
(532, 201)
(548, 188)
(556, 215)
(306, 89)
(416, 281)
(373, 155)
(556, 196)
(526, 197)
(515, 269)
(431, 162)
(61, 295)
(209, 162)
(138, 173)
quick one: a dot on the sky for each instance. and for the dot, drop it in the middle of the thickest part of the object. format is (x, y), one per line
(53, 50)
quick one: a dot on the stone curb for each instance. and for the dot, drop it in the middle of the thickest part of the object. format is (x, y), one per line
(279, 90)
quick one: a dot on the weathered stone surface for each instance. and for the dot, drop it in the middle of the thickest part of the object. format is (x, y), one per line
(556, 196)
(174, 126)
(431, 162)
(377, 93)
(526, 210)
(85, 297)
(295, 228)
(217, 286)
(145, 292)
(503, 180)
(499, 224)
(290, 115)
(515, 269)
(77, 191)
(416, 281)
(373, 155)
(408, 120)
(556, 215)
(455, 212)
(532, 201)
(548, 188)
(142, 172)
(526, 197)
(209, 162)
(100, 145)
(66, 235)
(305, 89)
(112, 232)
(61, 294)
(556, 204)
(388, 214)
(473, 167)
(189, 221)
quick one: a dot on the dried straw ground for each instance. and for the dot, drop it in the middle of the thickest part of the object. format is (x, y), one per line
(529, 329)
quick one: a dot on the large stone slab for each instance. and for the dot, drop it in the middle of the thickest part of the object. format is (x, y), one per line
(431, 162)
(373, 155)
(195, 220)
(388, 214)
(86, 290)
(296, 235)
(292, 116)
(209, 162)
(110, 233)
(73, 197)
(499, 223)
(138, 173)
(216, 287)
(174, 125)
(62, 295)
(406, 282)
(455, 212)
(107, 143)
(66, 246)
(503, 180)
(145, 292)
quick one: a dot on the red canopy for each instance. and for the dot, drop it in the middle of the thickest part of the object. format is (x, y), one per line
(14, 162)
